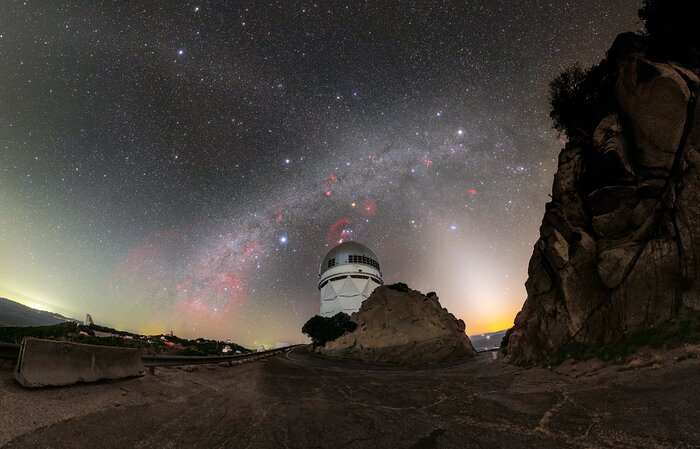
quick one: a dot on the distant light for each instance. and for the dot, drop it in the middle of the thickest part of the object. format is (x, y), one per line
(287, 161)
(453, 227)
(328, 193)
(283, 240)
(181, 52)
(196, 8)
(460, 132)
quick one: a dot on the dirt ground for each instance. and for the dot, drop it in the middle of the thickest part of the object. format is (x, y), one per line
(301, 400)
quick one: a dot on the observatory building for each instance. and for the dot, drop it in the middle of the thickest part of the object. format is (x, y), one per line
(348, 275)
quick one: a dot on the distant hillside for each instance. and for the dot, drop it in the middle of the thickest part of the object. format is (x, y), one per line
(16, 314)
(105, 336)
(489, 340)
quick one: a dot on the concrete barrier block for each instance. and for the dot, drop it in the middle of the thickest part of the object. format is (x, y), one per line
(44, 363)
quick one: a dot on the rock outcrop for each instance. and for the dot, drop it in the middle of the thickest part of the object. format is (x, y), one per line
(620, 240)
(402, 326)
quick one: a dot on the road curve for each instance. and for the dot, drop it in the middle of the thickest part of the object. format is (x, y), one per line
(305, 356)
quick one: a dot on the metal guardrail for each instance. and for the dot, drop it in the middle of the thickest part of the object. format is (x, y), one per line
(179, 360)
(10, 351)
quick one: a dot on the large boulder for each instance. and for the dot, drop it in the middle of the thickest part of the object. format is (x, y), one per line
(653, 97)
(620, 240)
(403, 326)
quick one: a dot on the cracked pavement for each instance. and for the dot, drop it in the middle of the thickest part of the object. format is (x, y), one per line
(301, 400)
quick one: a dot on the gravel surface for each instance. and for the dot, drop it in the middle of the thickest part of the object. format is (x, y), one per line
(302, 400)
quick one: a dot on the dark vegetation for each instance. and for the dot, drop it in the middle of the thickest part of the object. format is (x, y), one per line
(399, 287)
(580, 98)
(156, 344)
(671, 334)
(324, 329)
(671, 26)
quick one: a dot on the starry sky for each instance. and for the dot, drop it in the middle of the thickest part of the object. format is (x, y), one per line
(186, 165)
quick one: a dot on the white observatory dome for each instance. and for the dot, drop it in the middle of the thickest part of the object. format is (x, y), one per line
(349, 273)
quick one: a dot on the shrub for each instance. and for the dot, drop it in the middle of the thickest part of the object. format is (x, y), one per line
(580, 98)
(670, 334)
(323, 329)
(671, 26)
(56, 331)
(399, 287)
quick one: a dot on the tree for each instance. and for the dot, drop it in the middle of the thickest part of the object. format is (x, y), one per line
(581, 98)
(323, 329)
(671, 20)
(565, 98)
(672, 29)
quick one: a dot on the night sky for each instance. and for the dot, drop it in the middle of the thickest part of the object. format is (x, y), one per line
(186, 165)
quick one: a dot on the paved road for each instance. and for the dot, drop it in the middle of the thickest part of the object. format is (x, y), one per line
(305, 401)
(304, 356)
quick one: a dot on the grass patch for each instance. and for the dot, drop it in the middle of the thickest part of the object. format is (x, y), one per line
(670, 334)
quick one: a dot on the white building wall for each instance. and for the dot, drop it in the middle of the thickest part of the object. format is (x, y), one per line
(345, 293)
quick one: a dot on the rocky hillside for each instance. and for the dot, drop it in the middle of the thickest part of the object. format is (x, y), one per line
(15, 314)
(619, 242)
(403, 326)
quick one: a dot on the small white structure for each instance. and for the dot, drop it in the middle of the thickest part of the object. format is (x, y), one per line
(88, 320)
(349, 273)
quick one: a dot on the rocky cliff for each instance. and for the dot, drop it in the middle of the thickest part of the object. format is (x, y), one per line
(402, 326)
(619, 242)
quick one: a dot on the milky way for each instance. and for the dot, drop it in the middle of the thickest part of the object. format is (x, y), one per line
(185, 165)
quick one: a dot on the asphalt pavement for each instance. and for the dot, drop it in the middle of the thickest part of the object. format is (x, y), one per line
(302, 400)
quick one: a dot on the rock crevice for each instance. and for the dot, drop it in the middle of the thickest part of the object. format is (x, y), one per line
(619, 240)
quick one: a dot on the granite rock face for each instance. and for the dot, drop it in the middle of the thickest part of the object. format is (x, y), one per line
(402, 327)
(619, 241)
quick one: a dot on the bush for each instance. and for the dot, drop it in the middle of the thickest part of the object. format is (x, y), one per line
(670, 334)
(323, 329)
(56, 331)
(672, 29)
(580, 98)
(399, 287)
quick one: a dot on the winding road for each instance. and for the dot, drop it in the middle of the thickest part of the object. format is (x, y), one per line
(302, 400)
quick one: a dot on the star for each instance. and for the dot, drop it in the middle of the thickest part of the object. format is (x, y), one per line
(203, 149)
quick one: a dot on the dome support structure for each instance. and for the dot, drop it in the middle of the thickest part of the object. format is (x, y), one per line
(349, 273)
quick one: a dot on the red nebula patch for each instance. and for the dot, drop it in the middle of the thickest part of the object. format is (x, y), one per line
(472, 192)
(330, 181)
(249, 249)
(369, 207)
(336, 230)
